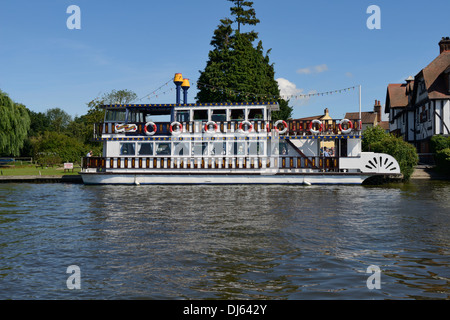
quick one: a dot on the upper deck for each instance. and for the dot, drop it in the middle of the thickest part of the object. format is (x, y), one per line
(222, 118)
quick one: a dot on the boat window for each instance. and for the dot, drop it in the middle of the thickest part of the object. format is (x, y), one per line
(239, 148)
(181, 149)
(237, 114)
(135, 116)
(255, 148)
(218, 148)
(283, 147)
(279, 148)
(127, 149)
(183, 116)
(145, 149)
(199, 148)
(256, 114)
(200, 115)
(162, 149)
(114, 115)
(219, 115)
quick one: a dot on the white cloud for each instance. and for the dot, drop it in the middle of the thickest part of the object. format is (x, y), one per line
(313, 69)
(288, 88)
(289, 91)
(349, 74)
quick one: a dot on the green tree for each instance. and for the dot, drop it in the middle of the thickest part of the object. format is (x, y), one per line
(82, 127)
(439, 143)
(55, 147)
(58, 119)
(14, 125)
(375, 139)
(39, 123)
(245, 15)
(443, 160)
(236, 70)
(119, 97)
(372, 135)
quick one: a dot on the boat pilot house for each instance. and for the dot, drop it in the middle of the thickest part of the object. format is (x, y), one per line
(226, 143)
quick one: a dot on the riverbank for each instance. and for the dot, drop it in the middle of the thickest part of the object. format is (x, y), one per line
(428, 172)
(42, 179)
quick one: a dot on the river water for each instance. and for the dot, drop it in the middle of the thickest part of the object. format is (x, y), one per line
(225, 242)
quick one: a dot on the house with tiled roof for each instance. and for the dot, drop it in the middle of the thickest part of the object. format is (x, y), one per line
(369, 118)
(420, 108)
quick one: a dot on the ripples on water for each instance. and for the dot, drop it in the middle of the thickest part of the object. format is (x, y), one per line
(225, 242)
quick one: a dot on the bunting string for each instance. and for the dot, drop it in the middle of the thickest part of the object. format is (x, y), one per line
(155, 92)
(158, 92)
(285, 97)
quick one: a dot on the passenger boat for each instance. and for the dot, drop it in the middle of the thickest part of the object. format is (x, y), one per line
(226, 143)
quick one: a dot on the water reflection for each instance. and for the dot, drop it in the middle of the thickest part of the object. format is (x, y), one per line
(225, 242)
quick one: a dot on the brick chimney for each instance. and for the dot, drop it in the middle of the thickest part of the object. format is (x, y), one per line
(377, 110)
(444, 44)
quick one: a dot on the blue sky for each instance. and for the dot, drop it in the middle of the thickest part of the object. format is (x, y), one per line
(316, 46)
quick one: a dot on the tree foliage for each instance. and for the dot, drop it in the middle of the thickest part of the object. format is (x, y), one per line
(443, 160)
(58, 119)
(14, 125)
(238, 71)
(54, 136)
(440, 146)
(52, 147)
(118, 97)
(375, 139)
(438, 143)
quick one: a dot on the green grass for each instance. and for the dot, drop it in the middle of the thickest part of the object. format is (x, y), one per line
(32, 170)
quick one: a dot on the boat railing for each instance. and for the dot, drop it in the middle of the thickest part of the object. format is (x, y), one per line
(213, 162)
(288, 127)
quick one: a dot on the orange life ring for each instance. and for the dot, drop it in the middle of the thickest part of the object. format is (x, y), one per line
(285, 126)
(320, 126)
(349, 128)
(216, 127)
(148, 133)
(172, 125)
(250, 126)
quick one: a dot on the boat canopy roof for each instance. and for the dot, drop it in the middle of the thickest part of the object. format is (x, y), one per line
(167, 107)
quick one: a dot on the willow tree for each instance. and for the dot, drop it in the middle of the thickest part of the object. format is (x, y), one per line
(14, 125)
(238, 70)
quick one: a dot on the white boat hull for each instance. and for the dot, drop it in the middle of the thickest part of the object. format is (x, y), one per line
(295, 179)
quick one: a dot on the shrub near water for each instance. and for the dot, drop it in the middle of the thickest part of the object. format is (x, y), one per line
(443, 160)
(52, 147)
(439, 143)
(377, 140)
(405, 153)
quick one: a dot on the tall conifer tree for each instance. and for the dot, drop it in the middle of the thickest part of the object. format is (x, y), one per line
(236, 70)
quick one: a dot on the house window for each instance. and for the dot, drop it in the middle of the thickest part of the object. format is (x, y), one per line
(424, 115)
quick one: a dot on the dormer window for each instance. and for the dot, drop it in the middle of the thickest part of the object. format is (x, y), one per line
(421, 86)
